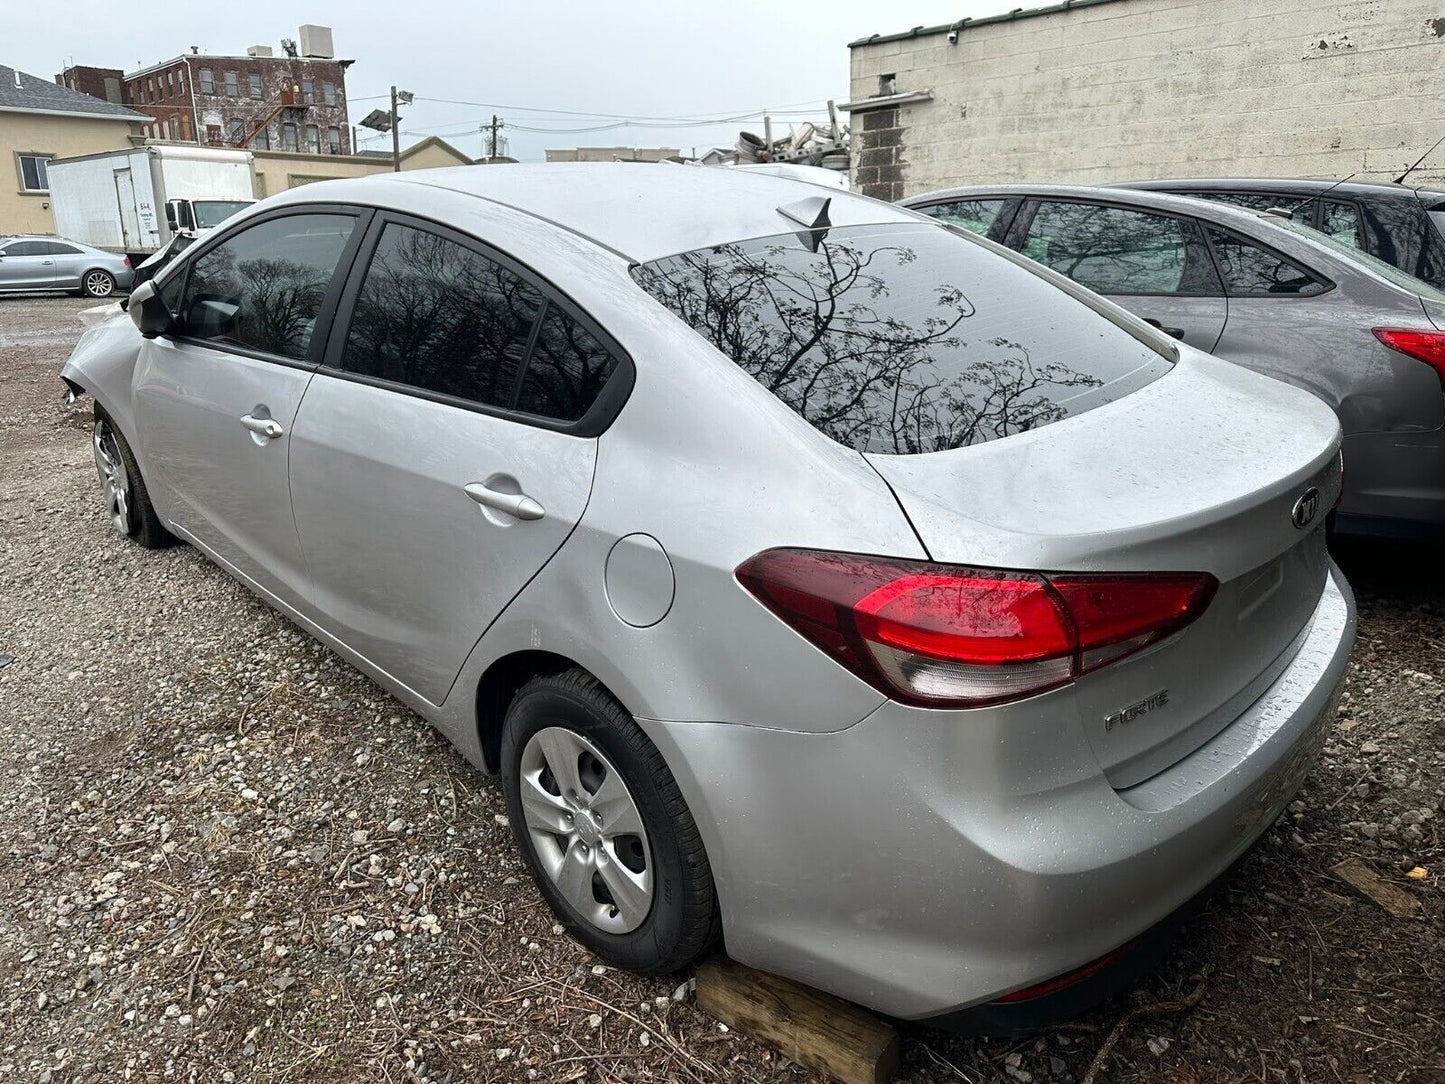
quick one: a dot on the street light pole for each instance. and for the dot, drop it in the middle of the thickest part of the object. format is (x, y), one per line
(395, 136)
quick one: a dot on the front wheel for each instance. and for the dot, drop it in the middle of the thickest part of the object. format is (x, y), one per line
(127, 503)
(97, 283)
(606, 833)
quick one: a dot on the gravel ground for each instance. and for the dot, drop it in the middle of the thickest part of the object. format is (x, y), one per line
(229, 856)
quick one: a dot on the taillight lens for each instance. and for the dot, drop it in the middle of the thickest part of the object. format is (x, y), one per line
(944, 636)
(125, 261)
(1426, 346)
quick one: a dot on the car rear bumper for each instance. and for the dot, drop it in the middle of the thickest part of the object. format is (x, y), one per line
(1394, 485)
(922, 862)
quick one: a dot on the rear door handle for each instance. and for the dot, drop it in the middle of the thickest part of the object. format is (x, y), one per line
(269, 428)
(514, 504)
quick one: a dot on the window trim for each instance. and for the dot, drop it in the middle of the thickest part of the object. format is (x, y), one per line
(49, 157)
(1197, 237)
(599, 416)
(1319, 276)
(329, 304)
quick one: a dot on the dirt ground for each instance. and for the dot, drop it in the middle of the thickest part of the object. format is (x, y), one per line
(227, 856)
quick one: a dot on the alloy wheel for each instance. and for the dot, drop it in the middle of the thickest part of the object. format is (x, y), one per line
(99, 284)
(586, 829)
(114, 481)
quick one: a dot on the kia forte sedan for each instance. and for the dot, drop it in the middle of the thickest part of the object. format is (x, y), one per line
(1269, 293)
(818, 579)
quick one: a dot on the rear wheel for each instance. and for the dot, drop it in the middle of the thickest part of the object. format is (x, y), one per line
(97, 283)
(127, 504)
(606, 833)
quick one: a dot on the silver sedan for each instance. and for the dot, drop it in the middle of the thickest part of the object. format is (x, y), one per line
(54, 263)
(814, 576)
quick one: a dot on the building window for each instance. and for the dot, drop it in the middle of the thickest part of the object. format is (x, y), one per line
(233, 85)
(262, 140)
(112, 90)
(288, 137)
(328, 93)
(313, 139)
(171, 128)
(208, 81)
(237, 133)
(333, 140)
(887, 85)
(185, 127)
(32, 172)
(308, 91)
(213, 134)
(254, 79)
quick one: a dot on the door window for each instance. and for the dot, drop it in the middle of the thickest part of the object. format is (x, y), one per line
(974, 215)
(262, 288)
(440, 316)
(28, 248)
(1118, 251)
(1250, 270)
(567, 370)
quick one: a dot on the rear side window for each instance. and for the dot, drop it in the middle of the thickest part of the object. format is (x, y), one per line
(58, 249)
(1254, 201)
(1114, 250)
(439, 316)
(1251, 270)
(974, 215)
(1342, 222)
(262, 288)
(901, 339)
(567, 370)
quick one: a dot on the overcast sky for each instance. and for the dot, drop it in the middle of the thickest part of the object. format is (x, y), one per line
(642, 58)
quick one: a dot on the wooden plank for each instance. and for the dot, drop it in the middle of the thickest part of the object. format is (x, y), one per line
(819, 1032)
(1391, 897)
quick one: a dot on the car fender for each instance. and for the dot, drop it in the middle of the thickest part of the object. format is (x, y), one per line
(102, 366)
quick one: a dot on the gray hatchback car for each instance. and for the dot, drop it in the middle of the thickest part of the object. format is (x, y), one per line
(53, 263)
(815, 577)
(1266, 292)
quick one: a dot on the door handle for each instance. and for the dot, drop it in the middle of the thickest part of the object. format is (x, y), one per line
(266, 427)
(514, 504)
(1176, 332)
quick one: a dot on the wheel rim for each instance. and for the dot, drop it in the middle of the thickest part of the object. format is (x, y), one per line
(586, 830)
(98, 283)
(114, 482)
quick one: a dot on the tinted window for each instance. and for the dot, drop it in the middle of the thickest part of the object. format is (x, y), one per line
(442, 317)
(974, 215)
(1251, 270)
(58, 249)
(567, 370)
(906, 338)
(1118, 251)
(28, 248)
(262, 288)
(1342, 222)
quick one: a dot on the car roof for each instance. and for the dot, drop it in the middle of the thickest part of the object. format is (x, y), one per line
(639, 211)
(1377, 189)
(1160, 201)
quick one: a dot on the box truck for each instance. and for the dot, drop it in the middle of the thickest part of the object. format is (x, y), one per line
(135, 201)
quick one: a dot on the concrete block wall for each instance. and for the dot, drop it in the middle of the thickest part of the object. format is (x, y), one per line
(1159, 88)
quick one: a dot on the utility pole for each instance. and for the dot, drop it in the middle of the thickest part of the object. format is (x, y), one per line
(496, 125)
(395, 136)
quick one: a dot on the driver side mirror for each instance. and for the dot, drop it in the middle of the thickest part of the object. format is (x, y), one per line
(149, 311)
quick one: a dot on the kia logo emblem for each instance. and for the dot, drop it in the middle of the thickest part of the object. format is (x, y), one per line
(1306, 508)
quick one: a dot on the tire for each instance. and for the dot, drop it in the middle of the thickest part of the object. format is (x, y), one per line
(97, 283)
(127, 503)
(570, 717)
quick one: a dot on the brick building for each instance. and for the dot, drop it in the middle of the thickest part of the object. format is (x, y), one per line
(1092, 91)
(292, 102)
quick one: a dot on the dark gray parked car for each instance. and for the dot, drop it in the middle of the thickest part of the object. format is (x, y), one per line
(53, 263)
(1269, 293)
(1392, 222)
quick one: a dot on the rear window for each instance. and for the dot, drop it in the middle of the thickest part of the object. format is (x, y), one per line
(902, 338)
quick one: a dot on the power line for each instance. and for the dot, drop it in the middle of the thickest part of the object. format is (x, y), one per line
(718, 116)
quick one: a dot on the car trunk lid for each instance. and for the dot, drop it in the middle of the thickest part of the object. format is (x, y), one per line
(1209, 469)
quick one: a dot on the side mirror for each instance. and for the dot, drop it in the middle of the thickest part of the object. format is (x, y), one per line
(149, 311)
(171, 214)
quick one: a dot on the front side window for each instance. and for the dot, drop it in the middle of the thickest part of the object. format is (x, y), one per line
(233, 85)
(32, 172)
(263, 287)
(27, 248)
(902, 339)
(441, 317)
(974, 215)
(208, 81)
(1114, 250)
(1251, 270)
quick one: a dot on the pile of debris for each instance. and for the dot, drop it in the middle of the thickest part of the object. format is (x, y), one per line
(806, 145)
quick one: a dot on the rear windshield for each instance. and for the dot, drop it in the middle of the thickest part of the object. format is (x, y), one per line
(902, 338)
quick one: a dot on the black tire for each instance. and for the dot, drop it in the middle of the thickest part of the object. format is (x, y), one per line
(141, 524)
(684, 921)
(97, 283)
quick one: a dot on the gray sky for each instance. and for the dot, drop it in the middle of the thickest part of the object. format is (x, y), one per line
(644, 58)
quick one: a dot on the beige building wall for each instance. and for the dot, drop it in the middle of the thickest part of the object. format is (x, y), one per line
(1138, 89)
(59, 136)
(276, 171)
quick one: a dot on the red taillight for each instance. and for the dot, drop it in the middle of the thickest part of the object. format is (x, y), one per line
(938, 635)
(1426, 346)
(125, 260)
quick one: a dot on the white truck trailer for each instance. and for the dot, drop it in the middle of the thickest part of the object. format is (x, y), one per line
(135, 201)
